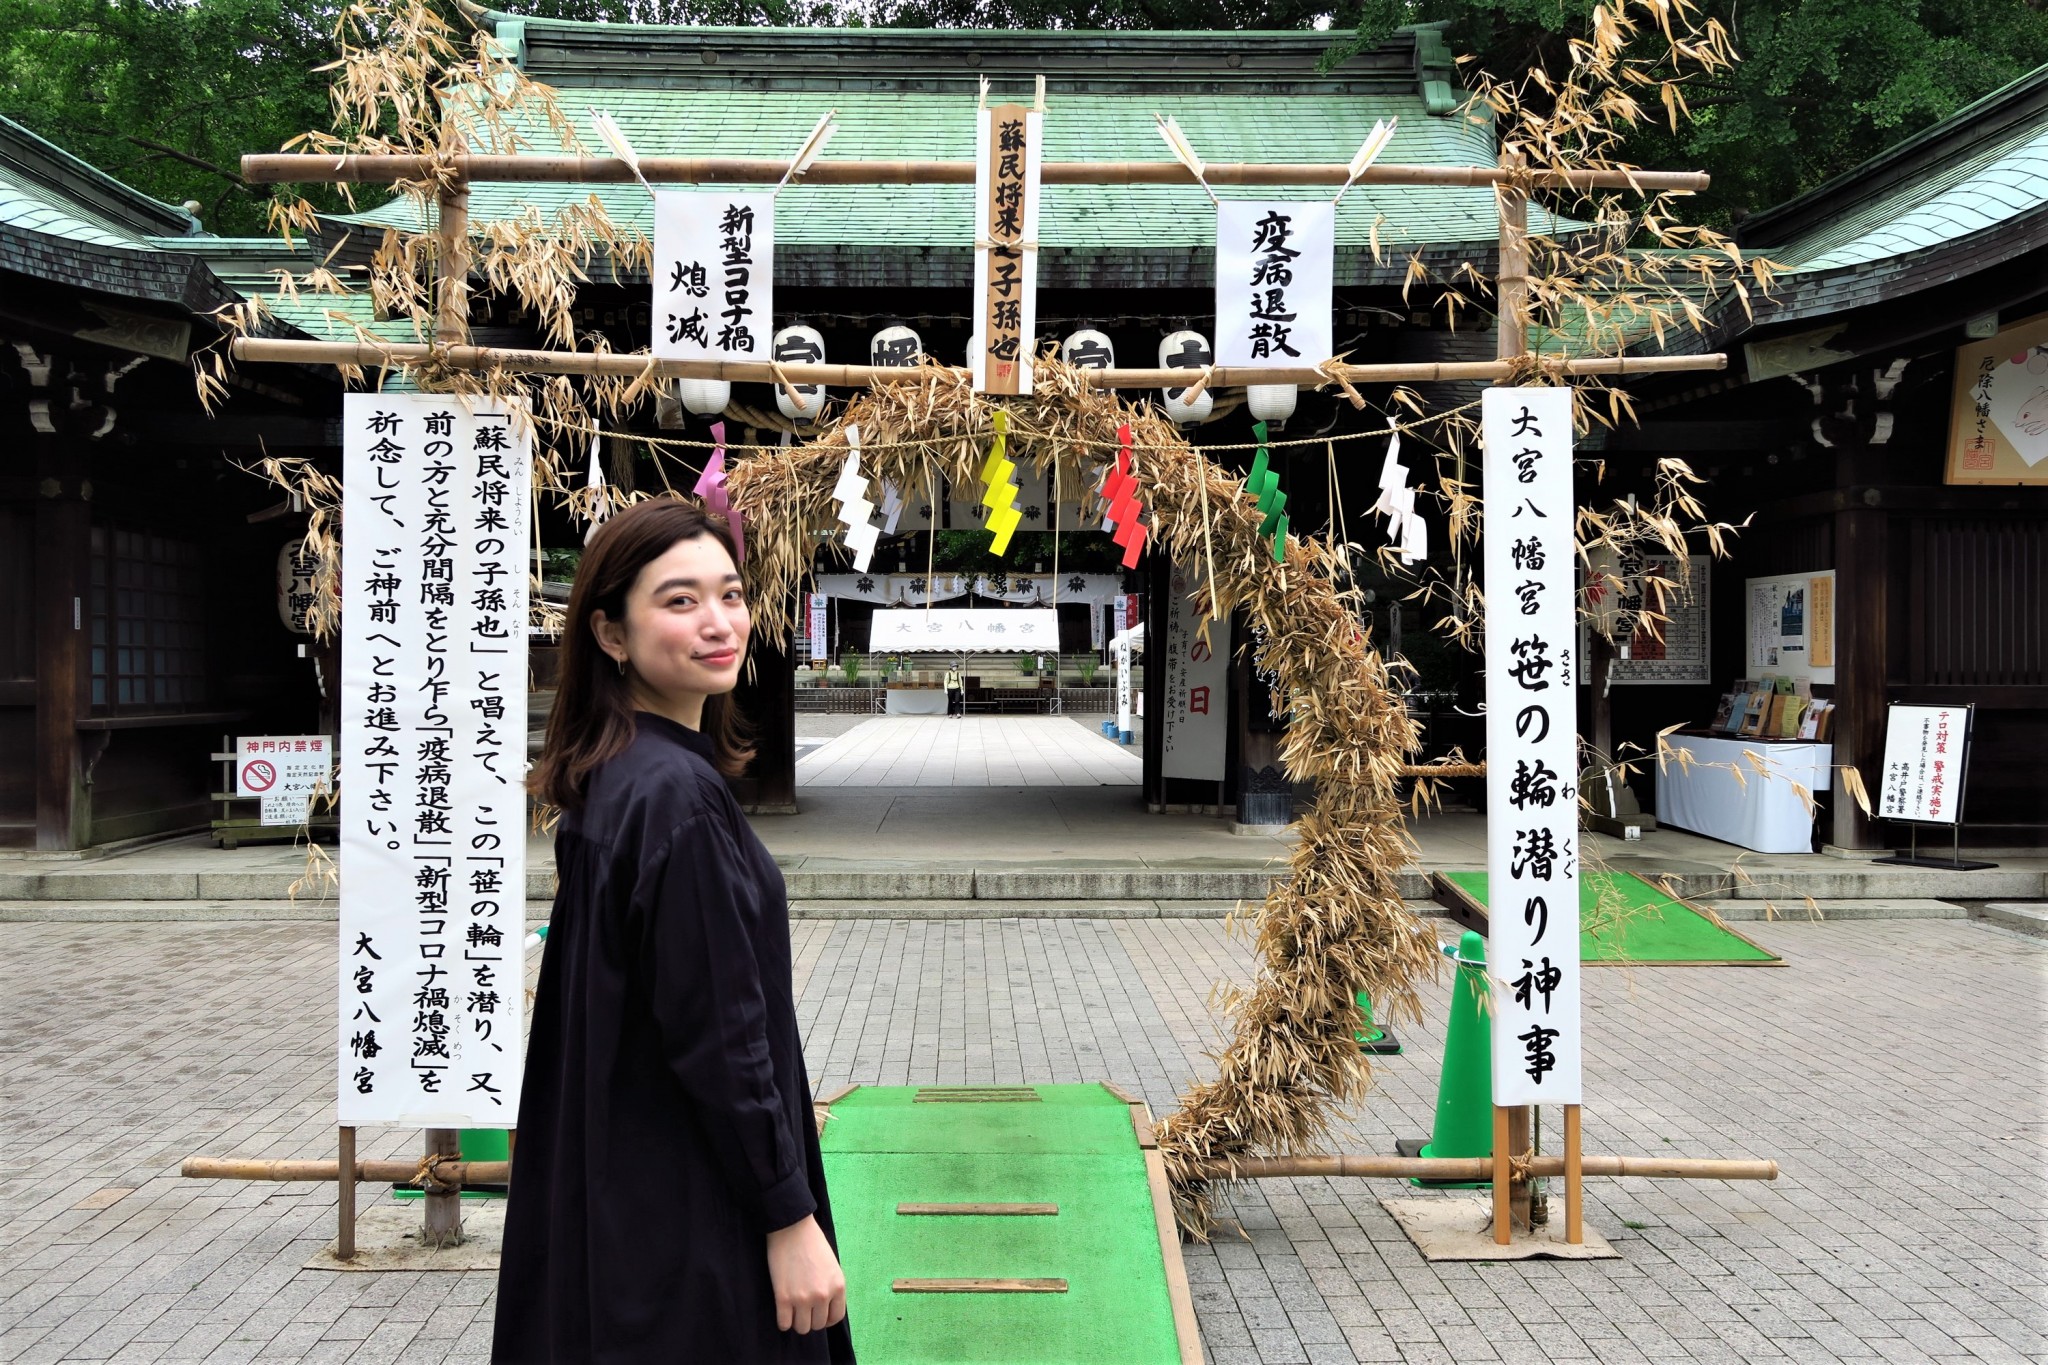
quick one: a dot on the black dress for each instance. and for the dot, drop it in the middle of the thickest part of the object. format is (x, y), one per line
(665, 1123)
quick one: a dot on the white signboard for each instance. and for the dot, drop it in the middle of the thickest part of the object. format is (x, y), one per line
(1095, 617)
(714, 275)
(1923, 763)
(1123, 618)
(815, 619)
(1532, 833)
(976, 630)
(433, 759)
(284, 772)
(1274, 260)
(1197, 685)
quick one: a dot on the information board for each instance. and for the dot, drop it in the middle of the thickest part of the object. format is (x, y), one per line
(1192, 728)
(433, 757)
(283, 773)
(1925, 749)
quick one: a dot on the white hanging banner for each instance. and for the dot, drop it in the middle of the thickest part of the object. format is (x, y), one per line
(977, 629)
(714, 275)
(1008, 140)
(1197, 684)
(433, 760)
(1274, 263)
(1532, 832)
(814, 620)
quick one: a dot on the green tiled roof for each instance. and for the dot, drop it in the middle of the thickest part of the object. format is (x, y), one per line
(698, 92)
(1981, 167)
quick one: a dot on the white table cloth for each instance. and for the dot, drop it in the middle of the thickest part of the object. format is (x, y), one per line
(1759, 810)
(917, 701)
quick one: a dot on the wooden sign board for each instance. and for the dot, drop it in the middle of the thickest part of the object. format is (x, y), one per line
(1008, 144)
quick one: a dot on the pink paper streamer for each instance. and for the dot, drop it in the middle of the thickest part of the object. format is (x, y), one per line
(711, 488)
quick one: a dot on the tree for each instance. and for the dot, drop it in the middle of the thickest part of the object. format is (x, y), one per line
(167, 95)
(1822, 86)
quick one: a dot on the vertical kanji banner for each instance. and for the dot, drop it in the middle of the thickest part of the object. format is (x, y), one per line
(1007, 143)
(433, 760)
(1192, 730)
(714, 275)
(1274, 266)
(1532, 821)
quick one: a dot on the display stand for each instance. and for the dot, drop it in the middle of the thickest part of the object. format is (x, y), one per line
(1916, 745)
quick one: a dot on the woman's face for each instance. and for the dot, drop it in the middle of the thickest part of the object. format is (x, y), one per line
(686, 625)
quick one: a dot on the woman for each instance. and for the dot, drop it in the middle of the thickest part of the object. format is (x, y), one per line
(668, 1202)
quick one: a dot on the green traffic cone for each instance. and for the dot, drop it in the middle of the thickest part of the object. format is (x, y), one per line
(1464, 1096)
(1371, 1036)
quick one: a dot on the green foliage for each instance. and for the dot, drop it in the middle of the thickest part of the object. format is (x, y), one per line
(1822, 86)
(849, 664)
(167, 94)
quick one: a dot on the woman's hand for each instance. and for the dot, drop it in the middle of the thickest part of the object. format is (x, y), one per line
(810, 1290)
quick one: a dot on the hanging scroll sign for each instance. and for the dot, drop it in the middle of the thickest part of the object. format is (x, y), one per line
(1008, 142)
(1532, 854)
(1274, 262)
(714, 275)
(433, 756)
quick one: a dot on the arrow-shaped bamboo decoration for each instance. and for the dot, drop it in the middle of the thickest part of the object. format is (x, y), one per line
(1184, 152)
(711, 488)
(1000, 494)
(1263, 483)
(1375, 142)
(854, 507)
(813, 145)
(1120, 491)
(615, 138)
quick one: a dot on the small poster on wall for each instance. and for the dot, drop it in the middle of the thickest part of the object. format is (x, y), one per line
(1792, 626)
(1998, 416)
(1673, 650)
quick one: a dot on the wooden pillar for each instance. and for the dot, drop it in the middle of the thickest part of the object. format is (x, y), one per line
(444, 1210)
(1574, 1179)
(1862, 662)
(451, 287)
(62, 613)
(1511, 291)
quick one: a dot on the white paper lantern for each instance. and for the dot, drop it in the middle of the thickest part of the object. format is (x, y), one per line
(705, 397)
(895, 346)
(1089, 349)
(1272, 404)
(800, 345)
(1190, 351)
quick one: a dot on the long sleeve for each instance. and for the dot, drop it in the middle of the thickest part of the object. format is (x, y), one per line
(713, 1018)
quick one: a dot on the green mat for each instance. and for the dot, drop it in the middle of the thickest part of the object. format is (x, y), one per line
(1653, 928)
(1072, 1146)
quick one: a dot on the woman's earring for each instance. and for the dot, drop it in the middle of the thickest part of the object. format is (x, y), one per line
(622, 666)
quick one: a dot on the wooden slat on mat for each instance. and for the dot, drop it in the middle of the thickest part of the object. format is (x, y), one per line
(1178, 1292)
(980, 1286)
(980, 1210)
(975, 1094)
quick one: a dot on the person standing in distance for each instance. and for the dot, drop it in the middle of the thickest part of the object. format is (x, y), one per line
(668, 1201)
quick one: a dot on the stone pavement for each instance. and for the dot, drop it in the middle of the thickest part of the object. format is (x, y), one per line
(1893, 1068)
(969, 751)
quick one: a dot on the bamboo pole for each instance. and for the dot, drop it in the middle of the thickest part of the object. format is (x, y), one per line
(392, 354)
(1574, 1181)
(345, 1201)
(1480, 1167)
(1370, 1166)
(274, 168)
(380, 1172)
(1503, 1180)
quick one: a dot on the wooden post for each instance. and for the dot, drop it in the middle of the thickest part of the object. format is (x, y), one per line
(1521, 1187)
(444, 1209)
(345, 1215)
(1574, 1179)
(1862, 655)
(451, 288)
(1503, 1211)
(61, 611)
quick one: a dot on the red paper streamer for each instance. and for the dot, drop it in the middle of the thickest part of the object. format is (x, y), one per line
(1120, 489)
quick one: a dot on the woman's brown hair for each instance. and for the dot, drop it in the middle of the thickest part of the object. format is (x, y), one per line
(592, 721)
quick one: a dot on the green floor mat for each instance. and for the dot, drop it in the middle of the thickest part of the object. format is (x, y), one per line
(1653, 928)
(1072, 1146)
